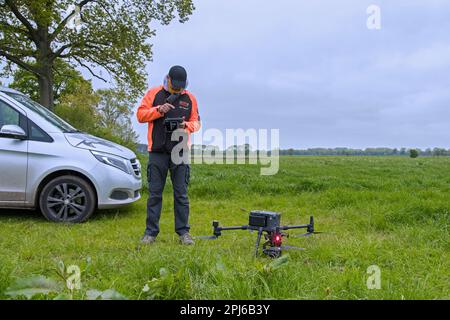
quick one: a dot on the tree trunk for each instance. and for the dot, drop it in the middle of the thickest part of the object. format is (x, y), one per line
(44, 61)
(46, 87)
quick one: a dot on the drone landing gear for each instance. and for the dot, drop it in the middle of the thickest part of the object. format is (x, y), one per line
(258, 240)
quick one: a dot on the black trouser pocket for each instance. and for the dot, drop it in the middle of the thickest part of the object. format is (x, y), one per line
(188, 174)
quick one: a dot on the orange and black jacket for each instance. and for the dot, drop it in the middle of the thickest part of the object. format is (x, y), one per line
(185, 106)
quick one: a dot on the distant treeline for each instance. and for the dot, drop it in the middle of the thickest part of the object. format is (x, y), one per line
(364, 152)
(199, 149)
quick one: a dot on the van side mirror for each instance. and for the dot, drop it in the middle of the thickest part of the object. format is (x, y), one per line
(13, 132)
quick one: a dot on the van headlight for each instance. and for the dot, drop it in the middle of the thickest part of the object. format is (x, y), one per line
(111, 160)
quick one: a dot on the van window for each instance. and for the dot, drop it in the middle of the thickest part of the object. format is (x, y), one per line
(37, 134)
(8, 115)
(42, 111)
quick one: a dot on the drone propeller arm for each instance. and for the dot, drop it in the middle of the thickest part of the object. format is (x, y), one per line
(218, 230)
(309, 226)
(233, 228)
(301, 226)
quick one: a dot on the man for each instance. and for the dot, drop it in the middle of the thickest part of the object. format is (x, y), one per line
(170, 100)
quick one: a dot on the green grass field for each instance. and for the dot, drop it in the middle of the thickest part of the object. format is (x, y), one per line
(387, 211)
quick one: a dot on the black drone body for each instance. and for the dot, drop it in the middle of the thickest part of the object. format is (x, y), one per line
(267, 223)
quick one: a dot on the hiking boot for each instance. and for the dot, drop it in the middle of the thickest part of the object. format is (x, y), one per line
(186, 239)
(148, 239)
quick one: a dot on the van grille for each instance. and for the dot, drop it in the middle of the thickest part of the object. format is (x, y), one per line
(119, 195)
(135, 164)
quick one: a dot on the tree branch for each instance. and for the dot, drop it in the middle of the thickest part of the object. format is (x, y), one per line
(104, 65)
(89, 44)
(25, 22)
(63, 23)
(89, 69)
(59, 51)
(19, 62)
(18, 52)
(13, 28)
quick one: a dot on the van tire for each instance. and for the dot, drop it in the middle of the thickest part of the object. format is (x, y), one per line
(67, 199)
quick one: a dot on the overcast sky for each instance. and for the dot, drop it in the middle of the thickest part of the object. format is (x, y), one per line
(315, 71)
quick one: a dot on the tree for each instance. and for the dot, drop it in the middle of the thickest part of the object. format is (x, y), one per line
(67, 80)
(113, 36)
(439, 152)
(105, 113)
(79, 108)
(413, 153)
(114, 110)
(247, 149)
(113, 106)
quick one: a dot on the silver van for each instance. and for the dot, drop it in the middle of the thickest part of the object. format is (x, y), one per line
(45, 163)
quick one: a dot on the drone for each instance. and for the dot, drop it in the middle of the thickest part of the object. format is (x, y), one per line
(267, 223)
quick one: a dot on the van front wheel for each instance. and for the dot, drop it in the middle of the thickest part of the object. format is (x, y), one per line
(67, 199)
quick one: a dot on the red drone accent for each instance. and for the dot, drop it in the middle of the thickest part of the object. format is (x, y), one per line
(277, 239)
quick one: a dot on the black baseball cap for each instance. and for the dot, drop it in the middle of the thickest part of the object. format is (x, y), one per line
(178, 77)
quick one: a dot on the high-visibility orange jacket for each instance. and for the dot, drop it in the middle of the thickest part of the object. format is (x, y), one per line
(185, 106)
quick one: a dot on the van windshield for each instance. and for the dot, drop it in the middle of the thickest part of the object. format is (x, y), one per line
(43, 112)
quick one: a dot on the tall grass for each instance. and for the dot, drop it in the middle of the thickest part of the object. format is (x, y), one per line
(389, 212)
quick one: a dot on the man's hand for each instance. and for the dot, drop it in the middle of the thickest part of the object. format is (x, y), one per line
(165, 108)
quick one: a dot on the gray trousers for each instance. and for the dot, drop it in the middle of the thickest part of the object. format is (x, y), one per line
(158, 166)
